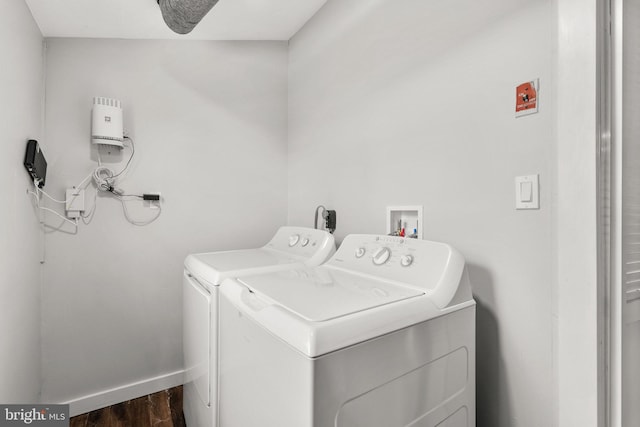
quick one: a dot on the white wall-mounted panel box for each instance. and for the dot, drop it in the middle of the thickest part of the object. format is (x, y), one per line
(107, 126)
(74, 202)
(408, 218)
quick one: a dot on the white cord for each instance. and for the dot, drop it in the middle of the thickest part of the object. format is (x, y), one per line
(75, 223)
(79, 186)
(105, 177)
(91, 213)
(51, 198)
(37, 198)
(135, 222)
(84, 180)
(315, 217)
(133, 153)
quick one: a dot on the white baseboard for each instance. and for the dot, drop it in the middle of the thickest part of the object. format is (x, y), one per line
(123, 393)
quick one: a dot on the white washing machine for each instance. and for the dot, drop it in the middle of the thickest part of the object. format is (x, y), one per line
(382, 335)
(290, 248)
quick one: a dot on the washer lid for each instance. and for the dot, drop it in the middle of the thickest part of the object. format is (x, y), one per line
(214, 267)
(319, 295)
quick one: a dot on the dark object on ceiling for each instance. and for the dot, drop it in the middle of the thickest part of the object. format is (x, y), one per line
(182, 16)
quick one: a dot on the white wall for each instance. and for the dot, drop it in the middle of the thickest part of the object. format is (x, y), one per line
(209, 120)
(576, 312)
(20, 235)
(412, 102)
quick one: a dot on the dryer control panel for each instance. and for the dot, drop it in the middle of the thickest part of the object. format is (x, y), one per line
(309, 243)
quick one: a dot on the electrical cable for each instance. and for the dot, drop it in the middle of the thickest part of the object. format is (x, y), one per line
(91, 213)
(102, 177)
(82, 186)
(135, 222)
(315, 218)
(74, 223)
(105, 177)
(48, 196)
(36, 195)
(133, 153)
(329, 217)
(105, 180)
(84, 180)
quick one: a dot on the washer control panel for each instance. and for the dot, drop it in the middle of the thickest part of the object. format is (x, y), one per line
(385, 251)
(396, 258)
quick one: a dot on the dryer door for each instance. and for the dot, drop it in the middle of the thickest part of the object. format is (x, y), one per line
(196, 342)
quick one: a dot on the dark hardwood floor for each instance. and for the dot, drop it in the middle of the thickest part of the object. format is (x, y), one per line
(163, 409)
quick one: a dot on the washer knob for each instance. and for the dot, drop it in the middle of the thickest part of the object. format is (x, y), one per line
(381, 256)
(305, 242)
(293, 239)
(406, 260)
(360, 252)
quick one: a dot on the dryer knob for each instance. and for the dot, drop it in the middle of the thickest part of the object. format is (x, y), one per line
(305, 242)
(360, 252)
(293, 239)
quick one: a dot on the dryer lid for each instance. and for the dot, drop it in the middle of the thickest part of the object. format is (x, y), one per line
(318, 295)
(290, 247)
(214, 267)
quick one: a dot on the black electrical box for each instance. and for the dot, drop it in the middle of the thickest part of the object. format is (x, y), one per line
(35, 163)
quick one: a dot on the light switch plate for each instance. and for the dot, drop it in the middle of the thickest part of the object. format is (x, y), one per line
(528, 192)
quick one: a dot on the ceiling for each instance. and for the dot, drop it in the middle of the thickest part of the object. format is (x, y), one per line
(141, 19)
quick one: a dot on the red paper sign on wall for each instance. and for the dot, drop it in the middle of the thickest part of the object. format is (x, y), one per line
(527, 98)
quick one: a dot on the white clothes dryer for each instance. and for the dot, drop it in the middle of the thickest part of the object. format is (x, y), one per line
(290, 248)
(382, 335)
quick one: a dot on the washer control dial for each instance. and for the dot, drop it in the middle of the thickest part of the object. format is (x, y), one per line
(293, 239)
(305, 242)
(381, 256)
(406, 260)
(360, 252)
